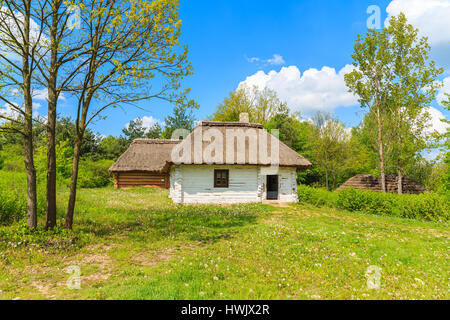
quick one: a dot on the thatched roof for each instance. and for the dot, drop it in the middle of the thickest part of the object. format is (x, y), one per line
(156, 155)
(370, 182)
(146, 155)
(244, 132)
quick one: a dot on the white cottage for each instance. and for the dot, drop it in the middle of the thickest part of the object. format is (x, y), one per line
(218, 162)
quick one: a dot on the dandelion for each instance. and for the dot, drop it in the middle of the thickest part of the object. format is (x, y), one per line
(201, 293)
(215, 278)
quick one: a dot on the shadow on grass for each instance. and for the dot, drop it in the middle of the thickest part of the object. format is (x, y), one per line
(194, 223)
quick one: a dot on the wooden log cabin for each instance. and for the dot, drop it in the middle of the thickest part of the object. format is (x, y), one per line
(144, 164)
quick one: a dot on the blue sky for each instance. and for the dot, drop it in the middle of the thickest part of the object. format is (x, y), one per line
(230, 40)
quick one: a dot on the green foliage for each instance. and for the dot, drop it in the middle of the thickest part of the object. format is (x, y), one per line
(261, 105)
(64, 153)
(111, 148)
(431, 206)
(182, 118)
(295, 133)
(11, 158)
(13, 203)
(136, 129)
(66, 131)
(94, 174)
(395, 80)
(316, 196)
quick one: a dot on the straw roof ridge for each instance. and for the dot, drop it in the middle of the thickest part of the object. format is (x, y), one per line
(146, 155)
(205, 123)
(155, 141)
(155, 155)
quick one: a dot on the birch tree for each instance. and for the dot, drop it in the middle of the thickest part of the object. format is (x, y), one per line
(371, 82)
(414, 87)
(330, 146)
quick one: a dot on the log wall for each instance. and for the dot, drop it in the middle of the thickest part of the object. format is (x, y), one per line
(125, 180)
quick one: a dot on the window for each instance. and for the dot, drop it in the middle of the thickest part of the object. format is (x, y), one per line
(221, 178)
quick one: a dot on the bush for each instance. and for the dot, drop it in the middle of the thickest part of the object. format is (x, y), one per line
(316, 196)
(429, 206)
(94, 174)
(13, 201)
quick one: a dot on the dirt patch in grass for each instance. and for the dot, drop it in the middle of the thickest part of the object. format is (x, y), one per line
(152, 258)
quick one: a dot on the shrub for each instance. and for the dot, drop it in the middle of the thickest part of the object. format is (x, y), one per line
(94, 174)
(429, 206)
(316, 196)
(13, 201)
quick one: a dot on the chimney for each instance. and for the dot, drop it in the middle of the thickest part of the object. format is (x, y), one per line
(243, 117)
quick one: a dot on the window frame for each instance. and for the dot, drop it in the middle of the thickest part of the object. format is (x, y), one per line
(221, 171)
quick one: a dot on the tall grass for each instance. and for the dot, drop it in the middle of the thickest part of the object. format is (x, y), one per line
(13, 197)
(428, 206)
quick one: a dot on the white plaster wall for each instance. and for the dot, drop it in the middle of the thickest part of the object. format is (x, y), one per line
(195, 184)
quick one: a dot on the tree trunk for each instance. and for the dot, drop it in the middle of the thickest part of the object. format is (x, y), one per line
(400, 180)
(73, 183)
(51, 166)
(326, 175)
(30, 170)
(380, 151)
(28, 123)
(399, 150)
(51, 126)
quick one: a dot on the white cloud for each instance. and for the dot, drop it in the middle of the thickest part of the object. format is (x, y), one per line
(149, 122)
(276, 60)
(7, 111)
(309, 92)
(431, 17)
(445, 89)
(42, 94)
(435, 121)
(253, 59)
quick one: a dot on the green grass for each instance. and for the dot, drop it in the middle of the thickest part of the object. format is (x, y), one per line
(136, 244)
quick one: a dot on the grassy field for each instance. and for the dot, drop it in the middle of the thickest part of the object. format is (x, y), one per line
(136, 244)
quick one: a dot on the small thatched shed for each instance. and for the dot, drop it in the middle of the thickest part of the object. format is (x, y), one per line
(145, 163)
(370, 182)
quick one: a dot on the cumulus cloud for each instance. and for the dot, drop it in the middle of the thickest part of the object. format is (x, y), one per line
(435, 121)
(7, 111)
(445, 89)
(309, 92)
(276, 60)
(149, 122)
(431, 17)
